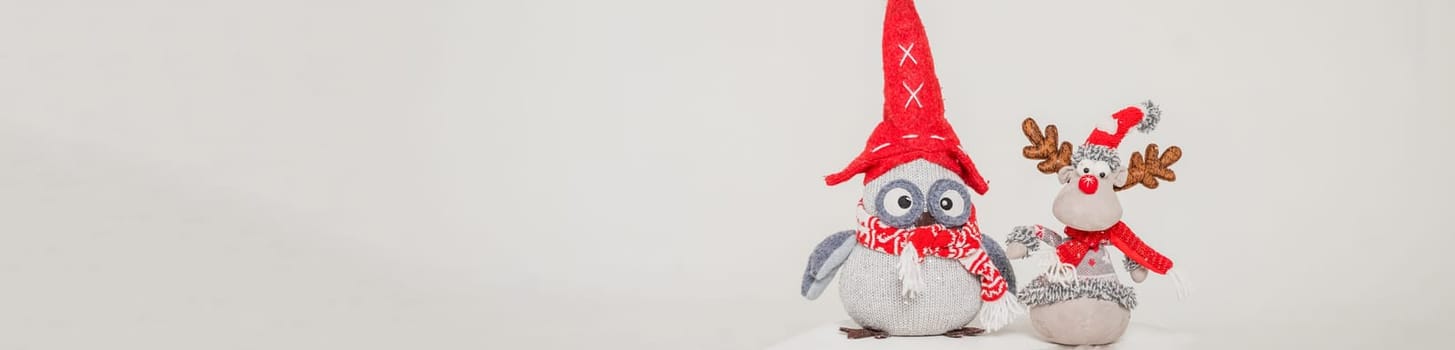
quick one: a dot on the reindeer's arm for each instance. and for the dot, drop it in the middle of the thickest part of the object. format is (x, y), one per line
(1138, 272)
(1131, 265)
(1025, 239)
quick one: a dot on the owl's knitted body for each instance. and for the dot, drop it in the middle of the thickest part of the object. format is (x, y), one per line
(870, 284)
(869, 289)
(917, 263)
(914, 208)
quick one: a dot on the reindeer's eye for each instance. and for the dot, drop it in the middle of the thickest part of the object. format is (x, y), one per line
(1085, 170)
(1100, 168)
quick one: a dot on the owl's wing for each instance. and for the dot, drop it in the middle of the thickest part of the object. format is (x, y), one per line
(824, 262)
(997, 257)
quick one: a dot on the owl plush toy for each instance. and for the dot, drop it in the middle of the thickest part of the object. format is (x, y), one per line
(917, 263)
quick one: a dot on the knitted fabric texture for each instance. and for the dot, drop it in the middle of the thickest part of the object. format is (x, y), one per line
(869, 290)
(922, 177)
(1000, 260)
(1079, 242)
(1125, 120)
(961, 244)
(1032, 236)
(914, 125)
(1097, 262)
(1152, 117)
(1024, 236)
(1097, 152)
(1041, 292)
(1131, 265)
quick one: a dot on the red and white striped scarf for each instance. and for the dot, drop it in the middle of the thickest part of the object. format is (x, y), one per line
(961, 244)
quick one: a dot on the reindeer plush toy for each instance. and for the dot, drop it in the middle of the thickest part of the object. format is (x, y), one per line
(1080, 301)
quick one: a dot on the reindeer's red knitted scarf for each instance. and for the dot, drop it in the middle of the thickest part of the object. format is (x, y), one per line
(1078, 242)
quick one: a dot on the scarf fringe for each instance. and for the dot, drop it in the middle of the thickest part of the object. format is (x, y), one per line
(1056, 271)
(1179, 281)
(1061, 273)
(911, 275)
(996, 314)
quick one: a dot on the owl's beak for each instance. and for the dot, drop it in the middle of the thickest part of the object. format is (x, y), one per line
(925, 219)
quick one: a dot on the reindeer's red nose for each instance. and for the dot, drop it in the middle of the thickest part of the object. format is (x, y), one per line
(1087, 184)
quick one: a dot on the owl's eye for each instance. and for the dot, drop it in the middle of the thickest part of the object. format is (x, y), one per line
(952, 204)
(898, 203)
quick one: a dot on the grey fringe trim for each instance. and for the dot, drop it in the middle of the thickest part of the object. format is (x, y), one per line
(1097, 152)
(1041, 292)
(1150, 119)
(1025, 235)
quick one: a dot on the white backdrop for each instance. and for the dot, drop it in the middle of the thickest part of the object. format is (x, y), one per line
(589, 174)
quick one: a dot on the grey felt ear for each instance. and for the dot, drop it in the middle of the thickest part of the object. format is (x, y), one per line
(1120, 177)
(1066, 174)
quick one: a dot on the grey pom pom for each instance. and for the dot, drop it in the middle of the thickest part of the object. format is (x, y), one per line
(1149, 121)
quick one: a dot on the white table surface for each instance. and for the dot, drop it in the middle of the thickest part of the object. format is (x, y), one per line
(1018, 335)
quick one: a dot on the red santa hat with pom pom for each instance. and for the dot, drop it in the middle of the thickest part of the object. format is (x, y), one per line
(914, 125)
(1111, 133)
(1104, 139)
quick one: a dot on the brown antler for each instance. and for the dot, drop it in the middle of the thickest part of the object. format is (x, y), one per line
(1147, 170)
(1044, 148)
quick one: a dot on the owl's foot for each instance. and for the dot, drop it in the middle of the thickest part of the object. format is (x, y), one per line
(855, 333)
(964, 332)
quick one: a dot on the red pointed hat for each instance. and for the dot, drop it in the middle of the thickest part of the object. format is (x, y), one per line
(914, 125)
